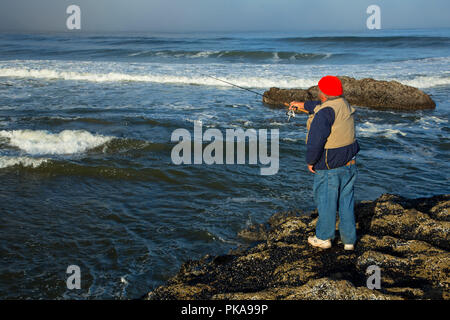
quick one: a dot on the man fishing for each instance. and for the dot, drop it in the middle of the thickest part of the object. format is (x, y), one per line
(331, 148)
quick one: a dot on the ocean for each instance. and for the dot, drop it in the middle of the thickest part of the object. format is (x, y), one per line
(85, 145)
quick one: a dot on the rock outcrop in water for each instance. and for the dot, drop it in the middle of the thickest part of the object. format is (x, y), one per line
(381, 95)
(407, 239)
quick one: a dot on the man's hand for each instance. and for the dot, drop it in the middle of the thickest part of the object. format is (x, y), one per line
(311, 168)
(297, 106)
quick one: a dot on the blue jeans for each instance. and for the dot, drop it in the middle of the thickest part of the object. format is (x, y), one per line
(333, 191)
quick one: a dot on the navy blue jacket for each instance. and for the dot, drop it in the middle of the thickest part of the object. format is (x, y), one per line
(318, 133)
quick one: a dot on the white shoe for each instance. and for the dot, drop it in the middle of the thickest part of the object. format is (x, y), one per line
(349, 247)
(316, 242)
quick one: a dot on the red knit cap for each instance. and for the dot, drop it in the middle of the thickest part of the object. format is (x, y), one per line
(331, 86)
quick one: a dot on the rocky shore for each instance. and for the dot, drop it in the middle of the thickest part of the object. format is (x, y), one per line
(408, 239)
(370, 93)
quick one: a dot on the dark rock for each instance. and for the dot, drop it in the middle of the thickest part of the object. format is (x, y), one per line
(370, 93)
(408, 239)
(256, 232)
(391, 217)
(317, 289)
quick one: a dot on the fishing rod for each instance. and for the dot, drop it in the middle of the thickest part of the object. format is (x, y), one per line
(290, 113)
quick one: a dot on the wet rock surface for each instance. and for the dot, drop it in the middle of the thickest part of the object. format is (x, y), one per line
(408, 239)
(370, 93)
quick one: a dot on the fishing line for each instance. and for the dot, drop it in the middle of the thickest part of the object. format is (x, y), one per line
(235, 85)
(290, 113)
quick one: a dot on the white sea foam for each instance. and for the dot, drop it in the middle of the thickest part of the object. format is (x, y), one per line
(250, 81)
(438, 120)
(240, 74)
(368, 129)
(6, 162)
(429, 122)
(291, 139)
(44, 142)
(276, 123)
(426, 81)
(138, 53)
(202, 54)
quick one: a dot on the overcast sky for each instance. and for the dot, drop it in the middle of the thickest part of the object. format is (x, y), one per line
(221, 15)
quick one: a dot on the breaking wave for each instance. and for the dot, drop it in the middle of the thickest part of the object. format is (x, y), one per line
(252, 82)
(233, 54)
(426, 81)
(37, 142)
(6, 162)
(245, 81)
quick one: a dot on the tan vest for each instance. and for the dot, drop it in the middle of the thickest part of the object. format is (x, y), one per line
(343, 129)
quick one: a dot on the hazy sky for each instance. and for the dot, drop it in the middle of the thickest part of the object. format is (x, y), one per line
(221, 15)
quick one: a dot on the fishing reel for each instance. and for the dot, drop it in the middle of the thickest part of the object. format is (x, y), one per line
(290, 114)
